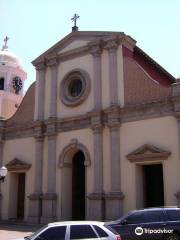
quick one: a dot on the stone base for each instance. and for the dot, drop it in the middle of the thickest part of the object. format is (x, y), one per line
(114, 205)
(96, 207)
(49, 207)
(35, 208)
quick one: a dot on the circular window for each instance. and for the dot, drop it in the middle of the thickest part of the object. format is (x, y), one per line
(74, 88)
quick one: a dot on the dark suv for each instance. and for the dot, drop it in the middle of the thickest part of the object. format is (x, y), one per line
(150, 223)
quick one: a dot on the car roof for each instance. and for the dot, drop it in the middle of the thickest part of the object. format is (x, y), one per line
(75, 223)
(156, 209)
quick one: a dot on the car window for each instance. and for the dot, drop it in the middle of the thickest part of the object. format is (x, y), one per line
(54, 233)
(81, 232)
(100, 231)
(173, 215)
(137, 217)
(154, 216)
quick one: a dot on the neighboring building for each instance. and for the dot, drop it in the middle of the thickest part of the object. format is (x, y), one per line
(97, 135)
(12, 77)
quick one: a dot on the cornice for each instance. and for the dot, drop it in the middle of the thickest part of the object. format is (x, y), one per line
(111, 117)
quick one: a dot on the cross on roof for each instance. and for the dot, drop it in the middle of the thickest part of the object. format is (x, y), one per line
(74, 18)
(5, 41)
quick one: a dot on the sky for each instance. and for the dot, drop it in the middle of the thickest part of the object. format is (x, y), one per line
(33, 26)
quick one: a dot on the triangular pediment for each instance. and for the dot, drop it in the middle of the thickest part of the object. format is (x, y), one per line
(75, 40)
(148, 152)
(17, 164)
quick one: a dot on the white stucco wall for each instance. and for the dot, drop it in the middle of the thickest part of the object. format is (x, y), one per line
(85, 63)
(23, 149)
(84, 137)
(159, 132)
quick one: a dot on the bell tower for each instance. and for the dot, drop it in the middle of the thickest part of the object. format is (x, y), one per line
(12, 77)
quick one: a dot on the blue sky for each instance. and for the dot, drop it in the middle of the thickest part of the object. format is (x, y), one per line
(33, 26)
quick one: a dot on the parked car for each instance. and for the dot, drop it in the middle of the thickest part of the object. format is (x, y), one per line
(152, 223)
(74, 230)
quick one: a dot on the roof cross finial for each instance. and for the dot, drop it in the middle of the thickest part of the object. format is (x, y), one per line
(5, 46)
(74, 19)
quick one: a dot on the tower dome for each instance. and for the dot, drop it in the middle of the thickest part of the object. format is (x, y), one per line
(8, 58)
(12, 77)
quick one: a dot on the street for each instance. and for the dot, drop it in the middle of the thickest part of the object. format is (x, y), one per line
(12, 231)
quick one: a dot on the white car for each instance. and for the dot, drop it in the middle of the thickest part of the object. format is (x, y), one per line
(74, 230)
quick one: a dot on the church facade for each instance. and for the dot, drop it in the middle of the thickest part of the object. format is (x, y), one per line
(95, 136)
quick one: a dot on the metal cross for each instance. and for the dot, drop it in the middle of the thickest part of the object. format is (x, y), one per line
(5, 41)
(74, 18)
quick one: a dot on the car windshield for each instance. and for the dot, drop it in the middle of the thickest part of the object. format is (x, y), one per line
(35, 233)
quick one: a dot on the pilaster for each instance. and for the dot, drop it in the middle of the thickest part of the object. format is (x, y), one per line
(52, 62)
(96, 205)
(40, 90)
(49, 199)
(114, 198)
(95, 49)
(35, 202)
(112, 46)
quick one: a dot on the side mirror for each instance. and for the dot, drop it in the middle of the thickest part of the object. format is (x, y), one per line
(124, 222)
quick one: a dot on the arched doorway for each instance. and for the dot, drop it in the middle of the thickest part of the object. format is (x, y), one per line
(74, 160)
(78, 186)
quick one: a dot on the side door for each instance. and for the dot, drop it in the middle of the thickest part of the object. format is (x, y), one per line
(130, 228)
(84, 231)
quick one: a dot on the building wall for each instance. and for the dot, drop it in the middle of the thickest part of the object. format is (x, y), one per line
(23, 149)
(159, 132)
(84, 137)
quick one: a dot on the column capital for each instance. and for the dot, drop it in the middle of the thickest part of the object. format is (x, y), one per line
(40, 66)
(52, 60)
(95, 48)
(111, 45)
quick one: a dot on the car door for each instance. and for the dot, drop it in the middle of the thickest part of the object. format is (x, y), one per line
(52, 233)
(130, 227)
(154, 222)
(84, 231)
